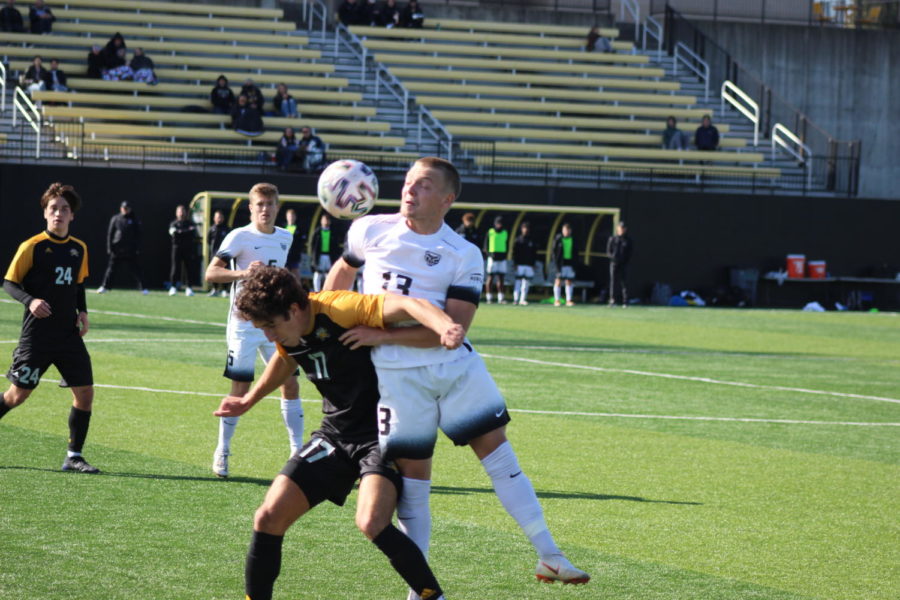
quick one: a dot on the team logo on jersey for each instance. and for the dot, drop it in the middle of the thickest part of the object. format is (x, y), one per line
(432, 258)
(73, 252)
(476, 277)
(284, 246)
(48, 250)
(322, 334)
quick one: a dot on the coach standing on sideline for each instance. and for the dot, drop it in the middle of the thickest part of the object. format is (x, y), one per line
(123, 244)
(619, 247)
(183, 231)
(47, 275)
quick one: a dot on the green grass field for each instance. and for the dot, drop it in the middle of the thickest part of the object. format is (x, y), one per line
(678, 453)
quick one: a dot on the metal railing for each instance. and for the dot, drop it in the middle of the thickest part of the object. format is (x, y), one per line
(344, 36)
(694, 63)
(312, 10)
(784, 137)
(773, 108)
(653, 29)
(883, 14)
(30, 114)
(385, 79)
(745, 105)
(2, 88)
(444, 138)
(634, 10)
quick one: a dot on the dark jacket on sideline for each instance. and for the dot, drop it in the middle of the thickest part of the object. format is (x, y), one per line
(124, 235)
(619, 248)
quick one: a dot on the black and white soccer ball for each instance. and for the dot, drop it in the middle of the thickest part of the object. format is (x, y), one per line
(348, 189)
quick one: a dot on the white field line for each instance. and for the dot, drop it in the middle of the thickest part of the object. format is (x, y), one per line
(778, 388)
(90, 340)
(140, 316)
(541, 412)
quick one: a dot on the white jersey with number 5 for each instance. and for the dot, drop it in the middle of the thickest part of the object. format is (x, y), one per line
(248, 244)
(436, 267)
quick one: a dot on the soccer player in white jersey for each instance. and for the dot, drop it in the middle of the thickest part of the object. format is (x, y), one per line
(427, 387)
(242, 250)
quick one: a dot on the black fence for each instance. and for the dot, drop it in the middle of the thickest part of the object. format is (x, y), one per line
(835, 162)
(833, 13)
(593, 6)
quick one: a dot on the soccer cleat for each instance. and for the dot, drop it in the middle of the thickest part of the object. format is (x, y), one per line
(145, 291)
(557, 303)
(188, 291)
(220, 463)
(569, 303)
(557, 567)
(79, 465)
(102, 290)
(212, 293)
(523, 302)
(172, 291)
(224, 293)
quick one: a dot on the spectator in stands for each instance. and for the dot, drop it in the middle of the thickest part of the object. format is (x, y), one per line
(353, 12)
(287, 148)
(35, 78)
(11, 18)
(387, 15)
(114, 63)
(221, 97)
(707, 136)
(253, 93)
(246, 118)
(468, 230)
(285, 105)
(412, 16)
(564, 255)
(596, 42)
(310, 151)
(123, 245)
(183, 232)
(111, 50)
(214, 237)
(674, 138)
(619, 248)
(41, 17)
(143, 68)
(56, 77)
(95, 63)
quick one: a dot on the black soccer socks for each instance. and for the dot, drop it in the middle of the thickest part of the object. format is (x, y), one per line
(263, 565)
(79, 421)
(3, 407)
(408, 561)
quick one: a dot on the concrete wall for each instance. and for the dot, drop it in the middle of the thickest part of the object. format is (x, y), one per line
(847, 81)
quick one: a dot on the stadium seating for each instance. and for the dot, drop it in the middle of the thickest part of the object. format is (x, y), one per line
(182, 7)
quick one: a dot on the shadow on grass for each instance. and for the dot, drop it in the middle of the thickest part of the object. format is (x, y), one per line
(211, 478)
(439, 489)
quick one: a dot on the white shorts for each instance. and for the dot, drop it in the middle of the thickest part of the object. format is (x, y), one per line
(525, 272)
(323, 265)
(496, 267)
(566, 272)
(458, 397)
(243, 346)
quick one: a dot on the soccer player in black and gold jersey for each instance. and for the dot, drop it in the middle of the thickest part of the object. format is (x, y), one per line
(315, 332)
(47, 275)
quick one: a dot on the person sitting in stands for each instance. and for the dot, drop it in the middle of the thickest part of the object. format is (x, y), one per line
(114, 64)
(284, 103)
(388, 14)
(353, 12)
(707, 136)
(596, 42)
(674, 138)
(41, 17)
(287, 148)
(95, 63)
(221, 97)
(254, 95)
(11, 18)
(56, 77)
(35, 77)
(412, 16)
(311, 151)
(142, 66)
(246, 118)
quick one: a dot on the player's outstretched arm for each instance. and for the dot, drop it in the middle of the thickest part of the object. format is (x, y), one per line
(340, 277)
(401, 308)
(218, 271)
(277, 370)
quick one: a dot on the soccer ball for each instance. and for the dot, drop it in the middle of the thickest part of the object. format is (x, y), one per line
(347, 189)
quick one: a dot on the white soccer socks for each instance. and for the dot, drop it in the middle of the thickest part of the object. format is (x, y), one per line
(414, 513)
(227, 425)
(292, 413)
(569, 289)
(318, 280)
(516, 493)
(523, 289)
(556, 291)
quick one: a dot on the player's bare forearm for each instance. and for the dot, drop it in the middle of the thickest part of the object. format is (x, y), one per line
(340, 277)
(218, 272)
(416, 336)
(400, 308)
(277, 370)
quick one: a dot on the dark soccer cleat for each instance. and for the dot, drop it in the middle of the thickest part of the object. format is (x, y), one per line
(79, 465)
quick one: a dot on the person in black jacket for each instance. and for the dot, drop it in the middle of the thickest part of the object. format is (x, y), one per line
(184, 250)
(95, 63)
(468, 230)
(707, 136)
(123, 245)
(221, 97)
(253, 93)
(11, 18)
(387, 15)
(56, 78)
(41, 17)
(246, 117)
(412, 16)
(217, 232)
(619, 247)
(35, 78)
(525, 258)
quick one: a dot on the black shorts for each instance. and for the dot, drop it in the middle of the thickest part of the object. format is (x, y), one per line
(326, 469)
(69, 356)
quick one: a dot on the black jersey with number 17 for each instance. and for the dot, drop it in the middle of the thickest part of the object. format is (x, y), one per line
(345, 378)
(50, 268)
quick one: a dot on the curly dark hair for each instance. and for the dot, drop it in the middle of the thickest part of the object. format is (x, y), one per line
(66, 192)
(269, 292)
